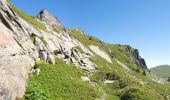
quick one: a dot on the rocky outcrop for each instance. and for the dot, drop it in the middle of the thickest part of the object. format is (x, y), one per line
(64, 46)
(44, 53)
(50, 20)
(15, 65)
(108, 82)
(18, 53)
(135, 57)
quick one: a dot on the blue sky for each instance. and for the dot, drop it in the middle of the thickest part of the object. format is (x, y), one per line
(143, 24)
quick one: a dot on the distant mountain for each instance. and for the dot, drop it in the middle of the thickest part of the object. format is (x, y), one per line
(162, 70)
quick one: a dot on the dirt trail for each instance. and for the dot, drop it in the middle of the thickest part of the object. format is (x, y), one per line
(104, 94)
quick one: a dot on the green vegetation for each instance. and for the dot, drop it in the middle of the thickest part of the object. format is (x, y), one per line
(33, 36)
(125, 86)
(59, 81)
(162, 71)
(139, 93)
(124, 82)
(83, 38)
(32, 20)
(63, 81)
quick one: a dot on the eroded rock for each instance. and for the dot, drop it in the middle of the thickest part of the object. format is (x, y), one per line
(100, 53)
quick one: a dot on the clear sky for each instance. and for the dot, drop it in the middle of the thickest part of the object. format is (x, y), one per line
(143, 24)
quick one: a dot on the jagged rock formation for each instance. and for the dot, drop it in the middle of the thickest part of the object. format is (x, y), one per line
(50, 20)
(18, 53)
(135, 57)
(62, 45)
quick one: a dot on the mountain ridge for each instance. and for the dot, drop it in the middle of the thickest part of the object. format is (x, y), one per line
(161, 70)
(41, 59)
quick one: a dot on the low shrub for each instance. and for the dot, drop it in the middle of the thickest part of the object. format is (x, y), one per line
(140, 93)
(59, 81)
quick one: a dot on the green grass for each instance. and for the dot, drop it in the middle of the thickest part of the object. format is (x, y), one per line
(155, 90)
(139, 93)
(59, 81)
(126, 80)
(123, 86)
(32, 20)
(83, 38)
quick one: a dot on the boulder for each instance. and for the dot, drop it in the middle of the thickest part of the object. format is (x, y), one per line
(108, 82)
(86, 79)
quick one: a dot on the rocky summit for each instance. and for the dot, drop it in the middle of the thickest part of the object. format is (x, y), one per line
(34, 49)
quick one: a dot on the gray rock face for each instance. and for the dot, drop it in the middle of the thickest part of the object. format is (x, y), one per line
(44, 53)
(135, 57)
(63, 46)
(49, 19)
(14, 65)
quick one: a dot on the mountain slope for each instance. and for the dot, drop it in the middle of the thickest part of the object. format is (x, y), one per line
(162, 70)
(40, 59)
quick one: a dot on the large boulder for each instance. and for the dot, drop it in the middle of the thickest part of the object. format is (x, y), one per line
(15, 64)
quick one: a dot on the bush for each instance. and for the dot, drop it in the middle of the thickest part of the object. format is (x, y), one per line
(138, 70)
(144, 72)
(168, 79)
(112, 76)
(34, 91)
(122, 84)
(33, 36)
(90, 38)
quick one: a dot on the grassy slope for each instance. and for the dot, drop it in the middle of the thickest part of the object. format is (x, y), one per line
(59, 81)
(162, 71)
(62, 81)
(126, 85)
